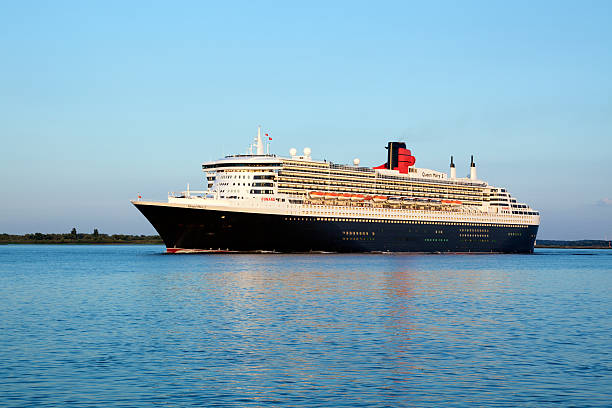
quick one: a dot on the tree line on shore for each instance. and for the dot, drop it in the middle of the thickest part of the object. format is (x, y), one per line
(583, 243)
(74, 237)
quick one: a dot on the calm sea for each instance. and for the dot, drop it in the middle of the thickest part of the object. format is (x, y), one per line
(128, 326)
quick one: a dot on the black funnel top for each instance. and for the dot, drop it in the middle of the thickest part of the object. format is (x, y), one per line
(393, 153)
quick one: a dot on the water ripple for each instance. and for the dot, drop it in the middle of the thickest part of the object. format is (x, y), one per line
(124, 326)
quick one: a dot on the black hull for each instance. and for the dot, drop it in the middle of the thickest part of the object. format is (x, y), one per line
(199, 229)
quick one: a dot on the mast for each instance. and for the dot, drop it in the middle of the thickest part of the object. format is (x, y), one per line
(260, 146)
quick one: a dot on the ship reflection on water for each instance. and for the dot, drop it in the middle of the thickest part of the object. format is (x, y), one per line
(412, 327)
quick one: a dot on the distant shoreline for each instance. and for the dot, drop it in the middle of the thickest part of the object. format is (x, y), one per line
(82, 243)
(74, 238)
(573, 247)
(579, 244)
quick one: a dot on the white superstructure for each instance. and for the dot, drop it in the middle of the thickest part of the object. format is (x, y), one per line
(299, 185)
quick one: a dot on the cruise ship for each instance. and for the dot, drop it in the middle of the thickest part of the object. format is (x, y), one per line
(261, 202)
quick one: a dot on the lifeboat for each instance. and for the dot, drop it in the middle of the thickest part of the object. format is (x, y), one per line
(316, 195)
(394, 200)
(451, 202)
(357, 197)
(344, 196)
(331, 196)
(435, 202)
(379, 199)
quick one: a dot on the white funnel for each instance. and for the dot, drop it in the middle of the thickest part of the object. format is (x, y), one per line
(473, 170)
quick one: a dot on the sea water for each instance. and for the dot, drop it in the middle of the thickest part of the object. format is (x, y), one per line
(129, 326)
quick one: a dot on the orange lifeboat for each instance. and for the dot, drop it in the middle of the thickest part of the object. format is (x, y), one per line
(316, 195)
(379, 199)
(451, 202)
(357, 197)
(344, 196)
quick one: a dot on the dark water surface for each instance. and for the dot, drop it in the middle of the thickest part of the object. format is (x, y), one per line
(127, 326)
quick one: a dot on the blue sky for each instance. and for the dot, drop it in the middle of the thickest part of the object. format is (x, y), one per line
(102, 100)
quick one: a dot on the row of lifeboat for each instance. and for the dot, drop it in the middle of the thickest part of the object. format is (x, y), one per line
(328, 195)
(342, 196)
